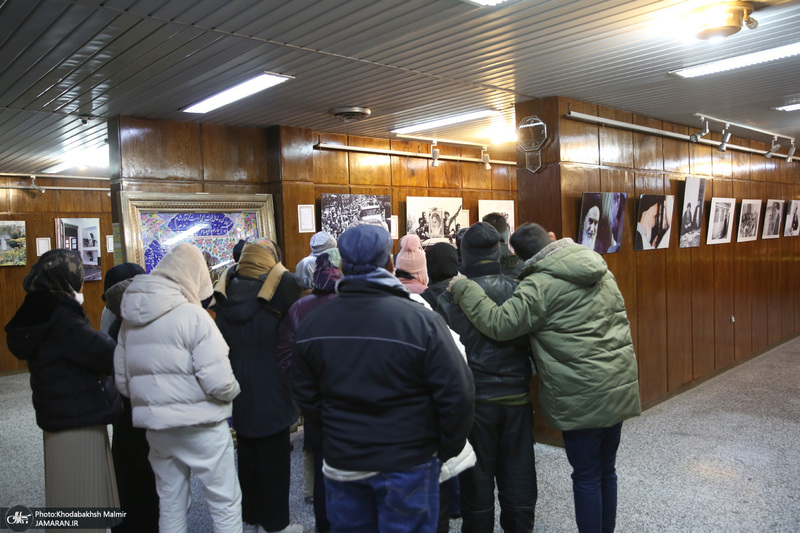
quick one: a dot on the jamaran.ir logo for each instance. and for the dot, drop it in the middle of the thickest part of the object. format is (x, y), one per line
(19, 518)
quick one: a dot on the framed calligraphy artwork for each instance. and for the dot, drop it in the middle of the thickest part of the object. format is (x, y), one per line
(154, 222)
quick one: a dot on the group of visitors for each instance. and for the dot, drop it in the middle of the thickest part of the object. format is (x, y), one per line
(412, 375)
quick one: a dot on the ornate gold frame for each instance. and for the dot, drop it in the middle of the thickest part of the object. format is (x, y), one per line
(134, 203)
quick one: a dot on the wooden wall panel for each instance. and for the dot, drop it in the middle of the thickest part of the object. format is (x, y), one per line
(160, 149)
(723, 288)
(579, 141)
(676, 153)
(331, 166)
(448, 174)
(743, 279)
(234, 153)
(409, 171)
(616, 146)
(370, 169)
(538, 197)
(703, 299)
(679, 300)
(297, 154)
(648, 150)
(700, 160)
(299, 246)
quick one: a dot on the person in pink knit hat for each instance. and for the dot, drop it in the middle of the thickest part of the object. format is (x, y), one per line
(410, 265)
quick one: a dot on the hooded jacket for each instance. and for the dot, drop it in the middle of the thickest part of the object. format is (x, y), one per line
(250, 323)
(69, 362)
(569, 305)
(171, 359)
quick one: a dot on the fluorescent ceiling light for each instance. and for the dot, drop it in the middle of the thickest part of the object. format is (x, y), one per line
(446, 121)
(244, 89)
(791, 107)
(746, 60)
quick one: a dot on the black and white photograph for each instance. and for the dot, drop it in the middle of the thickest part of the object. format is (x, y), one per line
(83, 236)
(691, 219)
(342, 211)
(720, 220)
(749, 217)
(772, 219)
(504, 207)
(791, 227)
(435, 219)
(601, 222)
(653, 223)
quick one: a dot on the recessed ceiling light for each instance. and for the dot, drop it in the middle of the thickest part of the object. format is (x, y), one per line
(790, 107)
(446, 121)
(237, 92)
(737, 62)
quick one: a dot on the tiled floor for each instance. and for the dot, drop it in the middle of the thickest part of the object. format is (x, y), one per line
(722, 457)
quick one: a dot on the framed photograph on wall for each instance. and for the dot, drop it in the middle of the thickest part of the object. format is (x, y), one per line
(720, 223)
(435, 219)
(772, 219)
(13, 249)
(152, 223)
(691, 219)
(343, 211)
(83, 236)
(504, 207)
(749, 217)
(653, 223)
(791, 227)
(601, 222)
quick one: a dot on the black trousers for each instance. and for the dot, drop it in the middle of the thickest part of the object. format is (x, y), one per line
(264, 468)
(502, 437)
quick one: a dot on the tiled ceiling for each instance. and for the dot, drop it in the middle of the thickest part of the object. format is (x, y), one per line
(408, 61)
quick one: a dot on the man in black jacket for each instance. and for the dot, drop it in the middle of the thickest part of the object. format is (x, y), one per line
(390, 388)
(502, 434)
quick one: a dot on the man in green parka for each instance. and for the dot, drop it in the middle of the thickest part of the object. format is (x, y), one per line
(569, 305)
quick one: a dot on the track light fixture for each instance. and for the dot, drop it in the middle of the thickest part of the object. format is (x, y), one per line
(700, 134)
(775, 147)
(726, 137)
(791, 152)
(434, 155)
(485, 158)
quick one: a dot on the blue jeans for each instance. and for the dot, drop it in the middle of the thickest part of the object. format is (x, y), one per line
(406, 501)
(593, 454)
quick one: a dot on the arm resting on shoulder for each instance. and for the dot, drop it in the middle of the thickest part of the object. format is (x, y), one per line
(520, 315)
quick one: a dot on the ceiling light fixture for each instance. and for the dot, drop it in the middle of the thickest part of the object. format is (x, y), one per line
(485, 158)
(484, 2)
(237, 92)
(737, 62)
(702, 133)
(434, 155)
(775, 147)
(791, 152)
(790, 107)
(726, 137)
(717, 21)
(446, 121)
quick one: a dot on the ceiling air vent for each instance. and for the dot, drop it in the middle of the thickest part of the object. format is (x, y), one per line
(350, 114)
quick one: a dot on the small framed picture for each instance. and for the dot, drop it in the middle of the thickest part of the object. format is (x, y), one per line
(110, 244)
(393, 224)
(42, 245)
(306, 222)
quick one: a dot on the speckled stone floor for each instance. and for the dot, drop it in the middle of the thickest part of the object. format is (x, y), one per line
(721, 457)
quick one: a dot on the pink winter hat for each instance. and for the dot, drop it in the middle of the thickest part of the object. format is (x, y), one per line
(411, 258)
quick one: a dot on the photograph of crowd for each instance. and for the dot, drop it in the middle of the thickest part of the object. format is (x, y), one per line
(692, 217)
(435, 219)
(343, 211)
(653, 228)
(720, 223)
(792, 226)
(749, 218)
(601, 222)
(772, 219)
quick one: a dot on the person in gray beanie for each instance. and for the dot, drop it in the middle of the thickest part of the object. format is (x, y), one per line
(502, 434)
(384, 378)
(304, 271)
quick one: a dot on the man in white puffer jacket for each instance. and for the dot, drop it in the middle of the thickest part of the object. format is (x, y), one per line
(172, 361)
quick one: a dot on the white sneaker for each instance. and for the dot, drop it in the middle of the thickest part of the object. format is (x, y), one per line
(291, 528)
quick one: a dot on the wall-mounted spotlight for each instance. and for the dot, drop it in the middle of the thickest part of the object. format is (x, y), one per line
(775, 147)
(791, 152)
(726, 137)
(435, 157)
(700, 134)
(485, 158)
